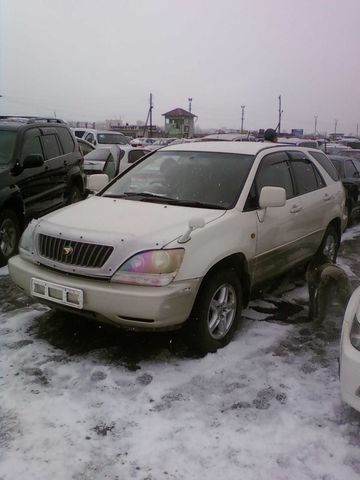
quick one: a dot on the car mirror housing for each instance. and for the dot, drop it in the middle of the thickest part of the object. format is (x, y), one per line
(272, 197)
(97, 182)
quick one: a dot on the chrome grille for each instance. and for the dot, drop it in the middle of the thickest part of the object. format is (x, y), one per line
(70, 252)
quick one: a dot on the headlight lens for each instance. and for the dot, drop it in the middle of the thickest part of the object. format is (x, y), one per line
(355, 333)
(153, 267)
(26, 245)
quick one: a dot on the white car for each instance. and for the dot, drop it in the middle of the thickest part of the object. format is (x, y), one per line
(182, 237)
(105, 138)
(350, 353)
(106, 160)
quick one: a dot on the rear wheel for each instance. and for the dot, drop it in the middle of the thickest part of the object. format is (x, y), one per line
(330, 244)
(9, 235)
(216, 312)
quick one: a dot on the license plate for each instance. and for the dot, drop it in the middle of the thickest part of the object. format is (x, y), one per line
(72, 297)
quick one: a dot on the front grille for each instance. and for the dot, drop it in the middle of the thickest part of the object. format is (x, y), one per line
(70, 252)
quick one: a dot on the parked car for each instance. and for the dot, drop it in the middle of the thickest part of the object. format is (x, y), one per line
(105, 138)
(106, 160)
(184, 236)
(78, 132)
(85, 147)
(41, 170)
(349, 171)
(228, 137)
(350, 353)
(300, 142)
(160, 143)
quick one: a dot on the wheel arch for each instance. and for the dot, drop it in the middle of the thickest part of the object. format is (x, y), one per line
(336, 223)
(15, 203)
(237, 262)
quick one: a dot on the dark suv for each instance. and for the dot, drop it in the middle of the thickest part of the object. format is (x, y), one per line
(41, 169)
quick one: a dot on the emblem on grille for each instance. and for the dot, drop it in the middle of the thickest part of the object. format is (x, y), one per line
(68, 250)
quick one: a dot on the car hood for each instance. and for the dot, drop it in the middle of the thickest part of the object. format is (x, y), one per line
(109, 220)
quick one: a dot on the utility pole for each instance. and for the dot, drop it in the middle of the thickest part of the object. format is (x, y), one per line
(151, 107)
(190, 100)
(242, 117)
(149, 116)
(280, 112)
(357, 130)
(335, 127)
(315, 128)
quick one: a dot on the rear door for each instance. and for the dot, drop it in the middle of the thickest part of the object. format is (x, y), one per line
(56, 168)
(317, 201)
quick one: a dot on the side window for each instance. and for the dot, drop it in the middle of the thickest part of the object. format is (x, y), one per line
(90, 138)
(31, 145)
(66, 139)
(274, 171)
(350, 168)
(51, 146)
(134, 155)
(305, 176)
(110, 168)
(326, 163)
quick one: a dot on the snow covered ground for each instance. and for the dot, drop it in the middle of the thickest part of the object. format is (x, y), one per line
(80, 401)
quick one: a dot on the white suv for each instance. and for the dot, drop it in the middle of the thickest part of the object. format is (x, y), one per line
(183, 235)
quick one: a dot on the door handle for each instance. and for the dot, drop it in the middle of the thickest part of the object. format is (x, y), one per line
(296, 209)
(327, 197)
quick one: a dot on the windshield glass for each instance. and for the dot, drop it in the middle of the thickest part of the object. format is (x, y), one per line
(207, 179)
(7, 145)
(112, 138)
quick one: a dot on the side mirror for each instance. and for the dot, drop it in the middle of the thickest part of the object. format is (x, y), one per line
(356, 174)
(194, 223)
(33, 161)
(97, 182)
(272, 197)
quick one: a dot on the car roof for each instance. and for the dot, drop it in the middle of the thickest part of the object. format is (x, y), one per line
(247, 148)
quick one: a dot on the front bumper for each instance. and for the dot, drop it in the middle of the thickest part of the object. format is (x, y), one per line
(131, 306)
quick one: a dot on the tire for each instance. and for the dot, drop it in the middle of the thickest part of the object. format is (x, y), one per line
(74, 195)
(330, 244)
(9, 235)
(216, 313)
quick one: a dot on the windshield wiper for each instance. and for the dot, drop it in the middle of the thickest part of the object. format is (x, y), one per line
(156, 197)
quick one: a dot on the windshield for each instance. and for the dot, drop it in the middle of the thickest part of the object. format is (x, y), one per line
(7, 145)
(112, 138)
(202, 179)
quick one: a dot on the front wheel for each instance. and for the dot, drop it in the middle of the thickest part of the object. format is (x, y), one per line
(330, 244)
(217, 311)
(9, 235)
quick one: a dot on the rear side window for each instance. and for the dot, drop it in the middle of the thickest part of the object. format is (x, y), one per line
(66, 139)
(51, 146)
(274, 171)
(326, 163)
(306, 178)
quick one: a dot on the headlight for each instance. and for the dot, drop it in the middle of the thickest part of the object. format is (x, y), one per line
(26, 245)
(355, 333)
(153, 267)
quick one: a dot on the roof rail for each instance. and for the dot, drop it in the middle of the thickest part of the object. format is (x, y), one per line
(26, 119)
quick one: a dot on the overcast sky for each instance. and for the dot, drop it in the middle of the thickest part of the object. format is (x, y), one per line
(96, 60)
